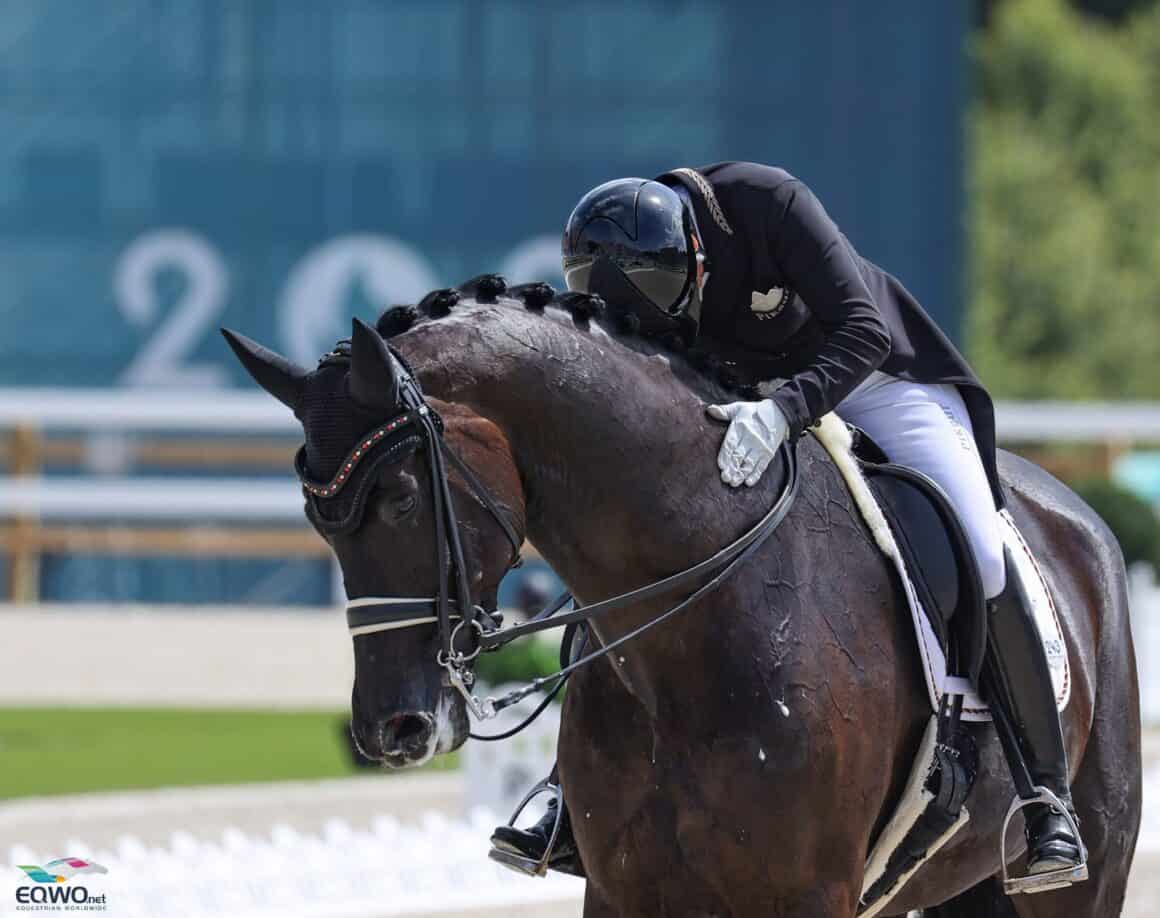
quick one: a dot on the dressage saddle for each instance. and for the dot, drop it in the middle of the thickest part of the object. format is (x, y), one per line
(936, 551)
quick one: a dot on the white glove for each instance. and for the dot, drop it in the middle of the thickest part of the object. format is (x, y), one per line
(756, 430)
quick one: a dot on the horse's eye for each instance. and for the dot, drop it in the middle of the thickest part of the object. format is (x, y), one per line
(393, 509)
(396, 496)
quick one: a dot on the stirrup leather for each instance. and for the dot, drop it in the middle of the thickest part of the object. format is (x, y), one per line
(1049, 879)
(526, 865)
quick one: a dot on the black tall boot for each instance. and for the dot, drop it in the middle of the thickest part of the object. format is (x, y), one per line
(1017, 681)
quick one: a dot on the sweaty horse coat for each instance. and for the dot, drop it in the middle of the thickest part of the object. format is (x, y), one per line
(741, 759)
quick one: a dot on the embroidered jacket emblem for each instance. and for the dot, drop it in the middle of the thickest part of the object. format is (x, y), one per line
(768, 305)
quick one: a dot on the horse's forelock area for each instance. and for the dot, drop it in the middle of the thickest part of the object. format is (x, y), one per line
(331, 421)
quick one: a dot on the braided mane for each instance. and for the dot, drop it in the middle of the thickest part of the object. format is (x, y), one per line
(582, 307)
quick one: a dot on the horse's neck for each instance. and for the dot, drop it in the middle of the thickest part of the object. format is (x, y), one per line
(619, 468)
(618, 488)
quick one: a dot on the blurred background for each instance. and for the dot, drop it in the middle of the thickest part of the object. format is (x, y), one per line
(174, 672)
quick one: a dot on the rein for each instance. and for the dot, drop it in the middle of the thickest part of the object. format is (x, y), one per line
(418, 426)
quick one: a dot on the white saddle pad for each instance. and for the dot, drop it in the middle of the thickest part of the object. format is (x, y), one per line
(835, 436)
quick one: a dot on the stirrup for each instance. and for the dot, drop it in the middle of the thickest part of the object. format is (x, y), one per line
(1048, 879)
(529, 866)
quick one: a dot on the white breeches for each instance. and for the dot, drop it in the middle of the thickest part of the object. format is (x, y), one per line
(925, 426)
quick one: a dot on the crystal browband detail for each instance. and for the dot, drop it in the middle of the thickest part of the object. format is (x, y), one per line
(365, 444)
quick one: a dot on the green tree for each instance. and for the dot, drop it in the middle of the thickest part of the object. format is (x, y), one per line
(1112, 9)
(1065, 227)
(1108, 9)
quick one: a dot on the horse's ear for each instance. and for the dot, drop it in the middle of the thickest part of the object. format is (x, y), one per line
(282, 378)
(373, 383)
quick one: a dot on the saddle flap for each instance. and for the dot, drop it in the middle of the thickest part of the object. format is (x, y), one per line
(938, 555)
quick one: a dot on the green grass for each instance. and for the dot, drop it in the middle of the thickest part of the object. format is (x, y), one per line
(72, 750)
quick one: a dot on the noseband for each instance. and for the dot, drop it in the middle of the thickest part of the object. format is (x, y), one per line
(418, 426)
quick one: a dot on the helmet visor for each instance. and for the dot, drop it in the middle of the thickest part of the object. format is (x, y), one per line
(663, 287)
(606, 279)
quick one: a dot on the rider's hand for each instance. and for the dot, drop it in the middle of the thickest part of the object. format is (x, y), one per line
(756, 430)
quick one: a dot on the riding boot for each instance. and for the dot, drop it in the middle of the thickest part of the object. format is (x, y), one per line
(532, 843)
(1017, 681)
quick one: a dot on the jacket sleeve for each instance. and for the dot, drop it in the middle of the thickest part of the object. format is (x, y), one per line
(821, 266)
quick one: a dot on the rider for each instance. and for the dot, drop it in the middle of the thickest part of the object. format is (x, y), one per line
(743, 258)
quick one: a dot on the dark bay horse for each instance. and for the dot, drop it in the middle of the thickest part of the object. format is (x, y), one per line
(740, 759)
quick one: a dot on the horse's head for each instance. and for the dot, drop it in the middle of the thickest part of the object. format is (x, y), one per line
(378, 491)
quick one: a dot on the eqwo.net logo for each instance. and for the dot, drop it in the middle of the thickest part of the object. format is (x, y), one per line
(50, 893)
(61, 870)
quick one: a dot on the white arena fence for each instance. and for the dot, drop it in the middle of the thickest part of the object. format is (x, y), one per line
(117, 412)
(112, 412)
(106, 414)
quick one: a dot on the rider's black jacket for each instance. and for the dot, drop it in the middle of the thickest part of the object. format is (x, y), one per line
(788, 297)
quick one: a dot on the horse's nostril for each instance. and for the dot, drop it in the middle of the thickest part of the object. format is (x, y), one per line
(410, 726)
(405, 732)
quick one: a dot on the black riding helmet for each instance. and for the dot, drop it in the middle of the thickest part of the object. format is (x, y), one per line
(630, 241)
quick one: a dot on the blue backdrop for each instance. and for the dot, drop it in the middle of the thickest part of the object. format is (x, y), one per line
(278, 165)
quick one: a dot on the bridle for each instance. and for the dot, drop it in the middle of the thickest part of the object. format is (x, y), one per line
(418, 426)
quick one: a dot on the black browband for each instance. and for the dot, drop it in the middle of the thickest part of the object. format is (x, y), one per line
(418, 426)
